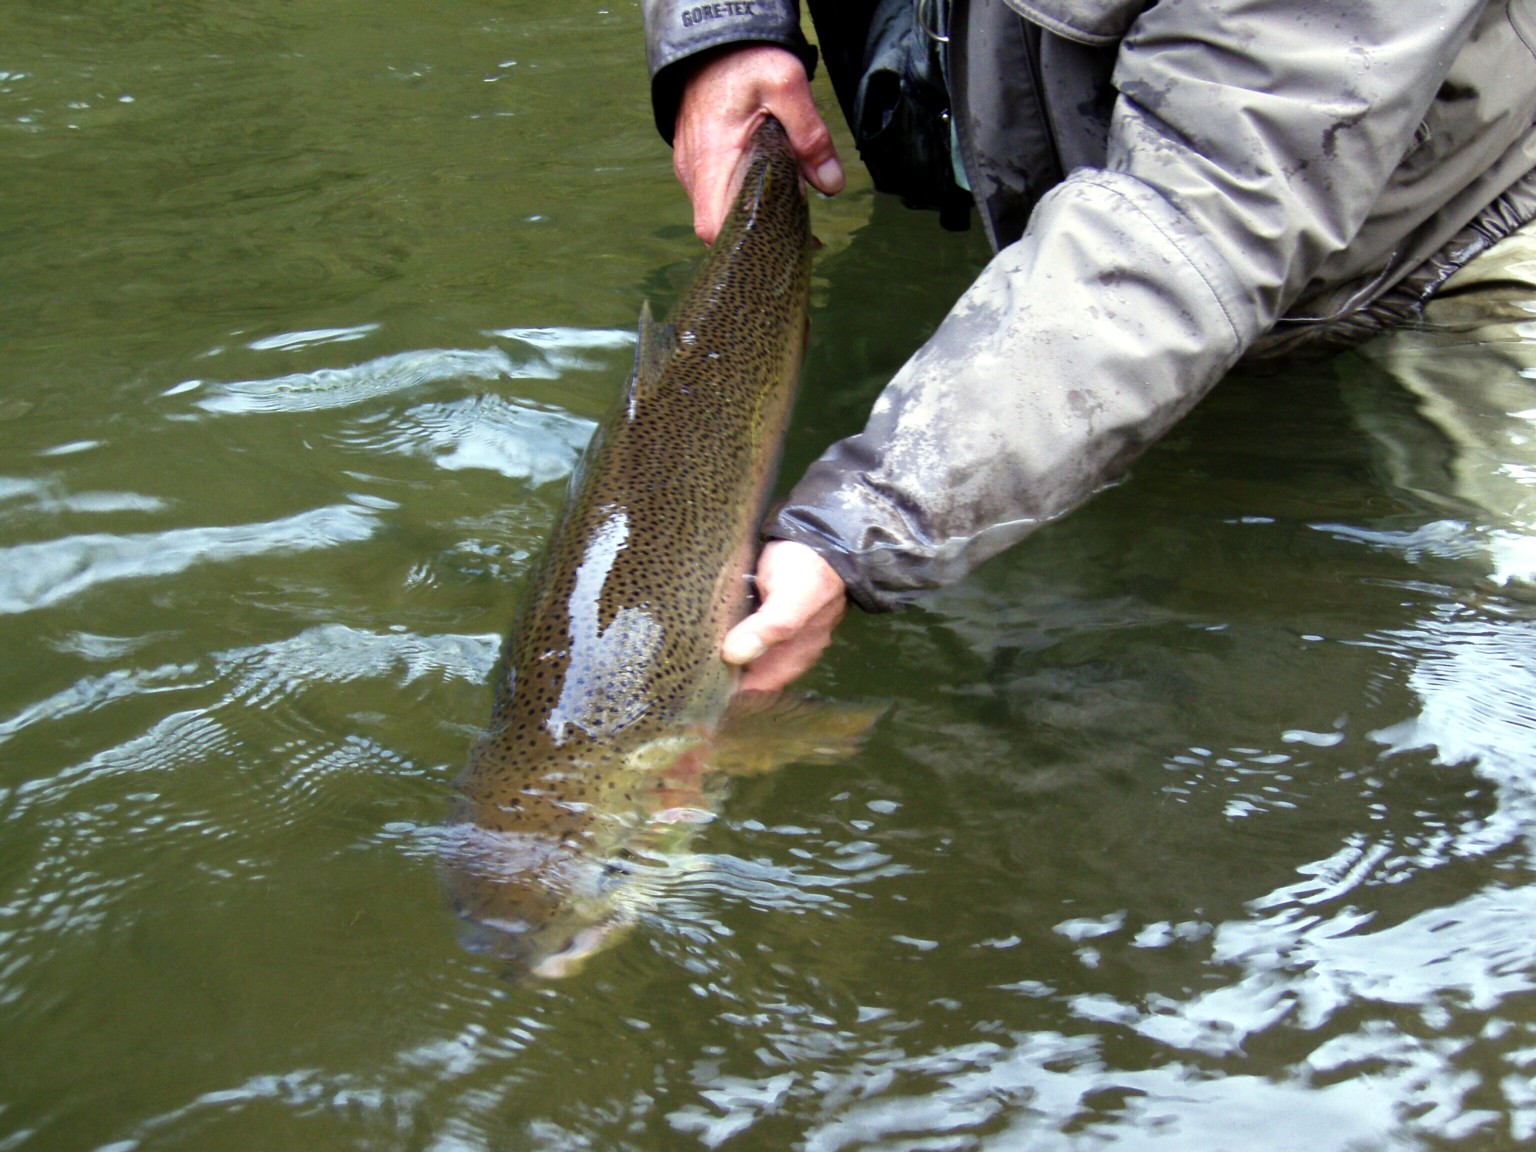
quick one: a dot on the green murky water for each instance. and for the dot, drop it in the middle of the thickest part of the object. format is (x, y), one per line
(1203, 821)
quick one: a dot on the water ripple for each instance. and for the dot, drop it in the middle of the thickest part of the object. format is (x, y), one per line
(486, 431)
(177, 740)
(325, 388)
(564, 348)
(1053, 1092)
(336, 653)
(47, 497)
(1503, 556)
(286, 341)
(1475, 680)
(275, 678)
(93, 692)
(38, 575)
(1476, 952)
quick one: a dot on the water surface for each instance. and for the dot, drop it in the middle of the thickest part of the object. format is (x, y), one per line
(1202, 821)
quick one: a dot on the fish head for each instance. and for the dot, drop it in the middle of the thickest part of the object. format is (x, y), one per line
(561, 833)
(538, 905)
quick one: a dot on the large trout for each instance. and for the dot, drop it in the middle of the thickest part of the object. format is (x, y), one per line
(611, 683)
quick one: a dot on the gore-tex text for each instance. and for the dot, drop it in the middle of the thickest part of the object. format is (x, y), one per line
(693, 17)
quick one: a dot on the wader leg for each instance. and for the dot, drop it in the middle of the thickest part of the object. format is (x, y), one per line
(1470, 371)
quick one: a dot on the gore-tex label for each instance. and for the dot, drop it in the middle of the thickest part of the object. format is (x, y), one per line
(703, 13)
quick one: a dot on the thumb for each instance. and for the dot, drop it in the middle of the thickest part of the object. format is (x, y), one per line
(812, 144)
(801, 594)
(775, 622)
(743, 644)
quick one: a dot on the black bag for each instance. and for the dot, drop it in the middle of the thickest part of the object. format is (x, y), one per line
(901, 119)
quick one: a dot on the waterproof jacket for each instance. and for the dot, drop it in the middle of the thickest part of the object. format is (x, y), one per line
(1168, 187)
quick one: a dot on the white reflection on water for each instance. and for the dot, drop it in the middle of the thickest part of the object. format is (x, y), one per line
(564, 347)
(1382, 998)
(1451, 540)
(1476, 682)
(547, 354)
(337, 654)
(94, 692)
(325, 388)
(271, 675)
(519, 441)
(1052, 1092)
(38, 575)
(48, 497)
(287, 341)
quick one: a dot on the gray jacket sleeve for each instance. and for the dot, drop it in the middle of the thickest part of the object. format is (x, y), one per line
(1249, 141)
(677, 30)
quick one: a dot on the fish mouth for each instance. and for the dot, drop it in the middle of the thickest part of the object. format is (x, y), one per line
(530, 956)
(583, 946)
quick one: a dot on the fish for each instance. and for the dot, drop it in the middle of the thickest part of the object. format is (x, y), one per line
(610, 690)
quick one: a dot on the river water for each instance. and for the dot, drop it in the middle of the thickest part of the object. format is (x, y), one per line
(1204, 820)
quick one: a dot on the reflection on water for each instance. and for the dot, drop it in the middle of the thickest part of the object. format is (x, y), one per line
(1202, 821)
(38, 575)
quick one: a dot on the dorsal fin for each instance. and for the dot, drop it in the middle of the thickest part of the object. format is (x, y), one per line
(652, 351)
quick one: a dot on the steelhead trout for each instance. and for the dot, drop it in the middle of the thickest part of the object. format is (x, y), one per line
(611, 683)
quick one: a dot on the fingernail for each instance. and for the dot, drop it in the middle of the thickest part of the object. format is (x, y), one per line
(829, 177)
(744, 650)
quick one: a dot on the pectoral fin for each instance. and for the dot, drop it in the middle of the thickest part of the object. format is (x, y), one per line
(763, 730)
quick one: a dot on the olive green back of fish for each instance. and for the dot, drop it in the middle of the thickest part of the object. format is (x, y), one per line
(618, 640)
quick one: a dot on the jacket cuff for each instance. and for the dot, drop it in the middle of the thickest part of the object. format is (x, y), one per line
(676, 31)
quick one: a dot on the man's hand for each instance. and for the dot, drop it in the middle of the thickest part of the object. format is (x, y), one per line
(803, 600)
(723, 101)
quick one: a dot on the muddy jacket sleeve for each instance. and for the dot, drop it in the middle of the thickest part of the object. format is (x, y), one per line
(677, 30)
(1249, 142)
